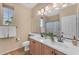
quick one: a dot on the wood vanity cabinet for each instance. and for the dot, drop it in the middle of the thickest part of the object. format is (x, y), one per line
(47, 50)
(37, 48)
(31, 47)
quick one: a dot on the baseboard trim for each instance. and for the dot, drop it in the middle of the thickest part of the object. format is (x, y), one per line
(9, 53)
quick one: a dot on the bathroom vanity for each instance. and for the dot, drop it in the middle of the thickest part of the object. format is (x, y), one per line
(41, 46)
(38, 48)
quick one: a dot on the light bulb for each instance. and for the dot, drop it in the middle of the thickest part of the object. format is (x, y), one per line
(39, 12)
(42, 10)
(54, 5)
(46, 8)
(64, 5)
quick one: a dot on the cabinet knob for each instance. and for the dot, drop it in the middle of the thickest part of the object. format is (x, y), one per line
(33, 42)
(52, 52)
(55, 53)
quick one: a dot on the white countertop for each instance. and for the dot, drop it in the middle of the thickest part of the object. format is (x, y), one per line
(66, 47)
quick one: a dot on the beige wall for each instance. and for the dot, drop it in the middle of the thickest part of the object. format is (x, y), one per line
(22, 19)
(78, 8)
(0, 14)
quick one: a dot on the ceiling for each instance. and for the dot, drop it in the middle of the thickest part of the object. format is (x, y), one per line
(29, 5)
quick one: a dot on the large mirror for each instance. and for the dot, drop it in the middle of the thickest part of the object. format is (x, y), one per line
(63, 20)
(52, 26)
(68, 26)
(68, 21)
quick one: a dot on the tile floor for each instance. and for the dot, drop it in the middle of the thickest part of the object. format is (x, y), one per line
(18, 52)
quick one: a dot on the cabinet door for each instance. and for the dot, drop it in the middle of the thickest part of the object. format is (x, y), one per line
(47, 50)
(32, 47)
(58, 53)
(35, 47)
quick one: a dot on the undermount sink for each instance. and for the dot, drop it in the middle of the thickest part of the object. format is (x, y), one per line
(67, 45)
(61, 44)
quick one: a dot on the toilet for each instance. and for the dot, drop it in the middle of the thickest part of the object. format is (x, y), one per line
(26, 45)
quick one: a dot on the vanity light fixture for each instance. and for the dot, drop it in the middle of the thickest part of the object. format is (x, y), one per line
(39, 12)
(42, 11)
(50, 7)
(46, 8)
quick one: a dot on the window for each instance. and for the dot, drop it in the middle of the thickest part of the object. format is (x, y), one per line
(42, 25)
(41, 22)
(7, 15)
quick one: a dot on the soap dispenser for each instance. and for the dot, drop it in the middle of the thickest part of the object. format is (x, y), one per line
(74, 41)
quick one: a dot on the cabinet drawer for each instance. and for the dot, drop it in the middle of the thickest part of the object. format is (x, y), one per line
(35, 47)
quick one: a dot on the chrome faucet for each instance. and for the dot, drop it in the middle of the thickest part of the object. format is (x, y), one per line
(60, 39)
